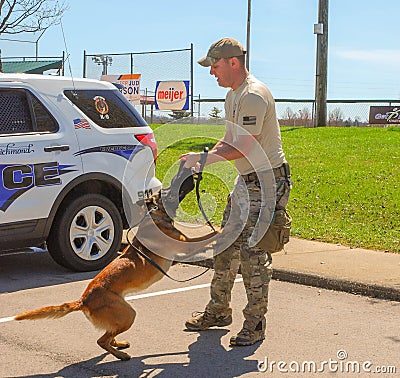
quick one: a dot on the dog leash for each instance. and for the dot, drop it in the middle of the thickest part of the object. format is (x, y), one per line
(198, 178)
(157, 266)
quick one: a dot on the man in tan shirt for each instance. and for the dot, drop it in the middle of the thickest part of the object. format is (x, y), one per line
(252, 140)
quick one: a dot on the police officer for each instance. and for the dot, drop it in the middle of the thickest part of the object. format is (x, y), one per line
(252, 139)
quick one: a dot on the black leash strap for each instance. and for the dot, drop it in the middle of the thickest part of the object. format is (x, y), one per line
(155, 265)
(203, 159)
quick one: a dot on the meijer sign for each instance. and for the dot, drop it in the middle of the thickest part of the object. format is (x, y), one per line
(172, 95)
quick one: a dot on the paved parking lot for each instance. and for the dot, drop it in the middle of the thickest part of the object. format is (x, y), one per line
(304, 324)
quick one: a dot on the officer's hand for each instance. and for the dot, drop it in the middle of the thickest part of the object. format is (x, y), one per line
(191, 160)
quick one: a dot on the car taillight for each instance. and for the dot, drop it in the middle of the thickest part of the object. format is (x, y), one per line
(148, 140)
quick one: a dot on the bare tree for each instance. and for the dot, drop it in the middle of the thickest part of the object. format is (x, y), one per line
(29, 16)
(289, 116)
(305, 116)
(336, 117)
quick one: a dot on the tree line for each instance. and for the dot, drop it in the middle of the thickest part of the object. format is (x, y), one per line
(303, 117)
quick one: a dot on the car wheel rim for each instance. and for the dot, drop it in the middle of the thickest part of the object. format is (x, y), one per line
(92, 233)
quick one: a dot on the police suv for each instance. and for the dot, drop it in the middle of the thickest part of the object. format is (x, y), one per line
(75, 156)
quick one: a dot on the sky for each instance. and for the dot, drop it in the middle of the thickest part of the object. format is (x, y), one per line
(363, 40)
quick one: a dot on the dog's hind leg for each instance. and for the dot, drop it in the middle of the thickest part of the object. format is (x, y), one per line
(106, 341)
(115, 318)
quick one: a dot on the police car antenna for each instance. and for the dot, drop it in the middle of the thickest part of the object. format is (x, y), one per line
(67, 58)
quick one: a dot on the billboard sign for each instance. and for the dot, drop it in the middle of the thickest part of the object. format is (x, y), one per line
(172, 95)
(131, 85)
(384, 114)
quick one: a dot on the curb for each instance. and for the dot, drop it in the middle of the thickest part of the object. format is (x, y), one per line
(329, 283)
(338, 284)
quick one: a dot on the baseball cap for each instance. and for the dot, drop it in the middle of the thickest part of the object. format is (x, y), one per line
(224, 48)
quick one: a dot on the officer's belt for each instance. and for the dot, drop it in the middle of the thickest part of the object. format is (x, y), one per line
(282, 171)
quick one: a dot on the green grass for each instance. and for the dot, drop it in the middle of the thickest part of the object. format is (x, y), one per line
(346, 181)
(174, 140)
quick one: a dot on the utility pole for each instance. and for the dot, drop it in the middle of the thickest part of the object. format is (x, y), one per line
(248, 35)
(321, 82)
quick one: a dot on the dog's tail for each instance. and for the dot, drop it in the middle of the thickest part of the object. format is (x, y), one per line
(50, 311)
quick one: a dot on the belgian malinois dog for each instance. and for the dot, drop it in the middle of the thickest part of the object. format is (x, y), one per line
(103, 300)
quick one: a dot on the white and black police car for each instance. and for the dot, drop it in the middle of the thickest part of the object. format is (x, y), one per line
(74, 155)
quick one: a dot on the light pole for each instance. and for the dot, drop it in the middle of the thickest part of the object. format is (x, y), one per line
(103, 60)
(248, 34)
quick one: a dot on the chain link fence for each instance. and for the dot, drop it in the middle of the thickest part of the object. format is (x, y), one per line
(153, 66)
(292, 112)
(178, 65)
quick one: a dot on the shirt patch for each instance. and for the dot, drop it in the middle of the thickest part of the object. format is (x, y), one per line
(249, 120)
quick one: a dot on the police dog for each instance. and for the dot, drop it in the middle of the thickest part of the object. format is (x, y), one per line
(103, 300)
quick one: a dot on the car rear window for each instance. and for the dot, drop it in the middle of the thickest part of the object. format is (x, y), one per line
(107, 108)
(21, 112)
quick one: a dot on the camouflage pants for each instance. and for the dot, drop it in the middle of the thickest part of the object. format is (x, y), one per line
(246, 203)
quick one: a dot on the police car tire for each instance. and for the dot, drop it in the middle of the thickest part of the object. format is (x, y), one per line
(59, 244)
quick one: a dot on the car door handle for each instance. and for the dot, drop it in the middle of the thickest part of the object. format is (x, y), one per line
(56, 148)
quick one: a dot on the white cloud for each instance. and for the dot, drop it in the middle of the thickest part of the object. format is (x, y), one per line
(376, 56)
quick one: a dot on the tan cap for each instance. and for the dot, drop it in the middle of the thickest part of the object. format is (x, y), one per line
(224, 48)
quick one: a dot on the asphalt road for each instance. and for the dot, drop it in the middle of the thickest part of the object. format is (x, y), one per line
(311, 331)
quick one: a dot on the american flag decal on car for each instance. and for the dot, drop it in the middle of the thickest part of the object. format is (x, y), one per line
(81, 123)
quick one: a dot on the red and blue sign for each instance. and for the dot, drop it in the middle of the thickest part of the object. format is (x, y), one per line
(172, 95)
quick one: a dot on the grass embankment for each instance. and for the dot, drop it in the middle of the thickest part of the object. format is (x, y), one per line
(346, 181)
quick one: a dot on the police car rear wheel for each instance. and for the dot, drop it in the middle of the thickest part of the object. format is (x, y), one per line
(87, 233)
